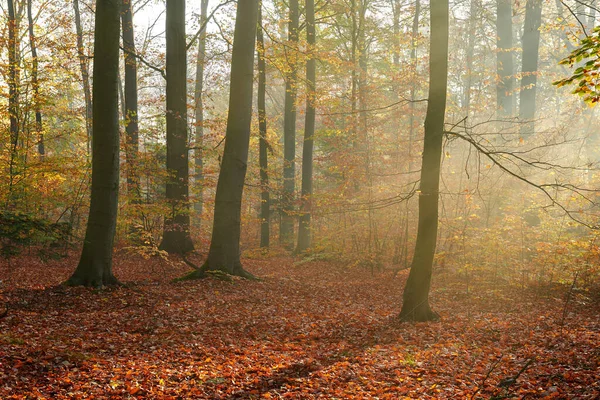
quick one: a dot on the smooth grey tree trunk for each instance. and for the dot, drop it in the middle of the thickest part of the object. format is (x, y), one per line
(265, 198)
(504, 59)
(411, 118)
(95, 266)
(224, 252)
(130, 104)
(530, 45)
(199, 119)
(85, 75)
(415, 306)
(13, 98)
(472, 32)
(304, 229)
(286, 227)
(176, 234)
(35, 85)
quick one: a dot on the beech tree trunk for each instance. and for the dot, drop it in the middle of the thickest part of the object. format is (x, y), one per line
(415, 306)
(504, 59)
(531, 45)
(95, 266)
(85, 75)
(286, 227)
(130, 104)
(224, 253)
(199, 118)
(468, 80)
(35, 85)
(411, 119)
(304, 229)
(176, 235)
(13, 97)
(265, 200)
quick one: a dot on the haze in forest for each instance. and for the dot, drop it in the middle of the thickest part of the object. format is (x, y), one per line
(392, 135)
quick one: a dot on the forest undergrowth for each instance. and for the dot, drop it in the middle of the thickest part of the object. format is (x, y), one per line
(310, 330)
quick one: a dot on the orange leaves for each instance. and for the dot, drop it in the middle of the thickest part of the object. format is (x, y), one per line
(314, 331)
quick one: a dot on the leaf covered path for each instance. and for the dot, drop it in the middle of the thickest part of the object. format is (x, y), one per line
(316, 330)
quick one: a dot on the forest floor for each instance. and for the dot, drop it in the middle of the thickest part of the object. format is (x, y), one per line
(304, 331)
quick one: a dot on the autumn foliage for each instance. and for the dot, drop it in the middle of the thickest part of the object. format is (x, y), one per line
(306, 330)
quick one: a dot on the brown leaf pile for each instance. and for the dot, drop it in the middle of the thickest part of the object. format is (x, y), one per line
(317, 330)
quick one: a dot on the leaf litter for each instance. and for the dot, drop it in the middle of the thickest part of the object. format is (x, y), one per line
(319, 330)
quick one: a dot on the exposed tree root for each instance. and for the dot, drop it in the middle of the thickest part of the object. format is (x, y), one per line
(218, 273)
(420, 313)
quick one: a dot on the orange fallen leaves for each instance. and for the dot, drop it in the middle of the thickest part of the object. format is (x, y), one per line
(316, 331)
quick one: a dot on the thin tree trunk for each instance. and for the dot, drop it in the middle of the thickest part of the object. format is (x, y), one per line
(131, 104)
(354, 51)
(362, 91)
(396, 30)
(85, 76)
(396, 62)
(224, 253)
(265, 201)
(35, 85)
(199, 118)
(286, 227)
(531, 45)
(470, 50)
(304, 229)
(95, 266)
(504, 59)
(13, 98)
(176, 236)
(411, 118)
(416, 292)
(591, 20)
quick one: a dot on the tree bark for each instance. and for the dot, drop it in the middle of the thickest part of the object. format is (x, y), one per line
(131, 104)
(286, 227)
(530, 45)
(411, 118)
(304, 229)
(265, 200)
(176, 235)
(416, 292)
(199, 118)
(35, 85)
(95, 265)
(504, 59)
(224, 253)
(13, 97)
(85, 76)
(468, 81)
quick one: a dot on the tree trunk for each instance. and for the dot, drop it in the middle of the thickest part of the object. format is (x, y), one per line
(304, 229)
(131, 104)
(13, 98)
(199, 118)
(35, 85)
(396, 11)
(85, 76)
(531, 44)
(354, 34)
(224, 253)
(95, 265)
(265, 201)
(504, 59)
(286, 227)
(591, 18)
(411, 119)
(176, 236)
(416, 292)
(472, 32)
